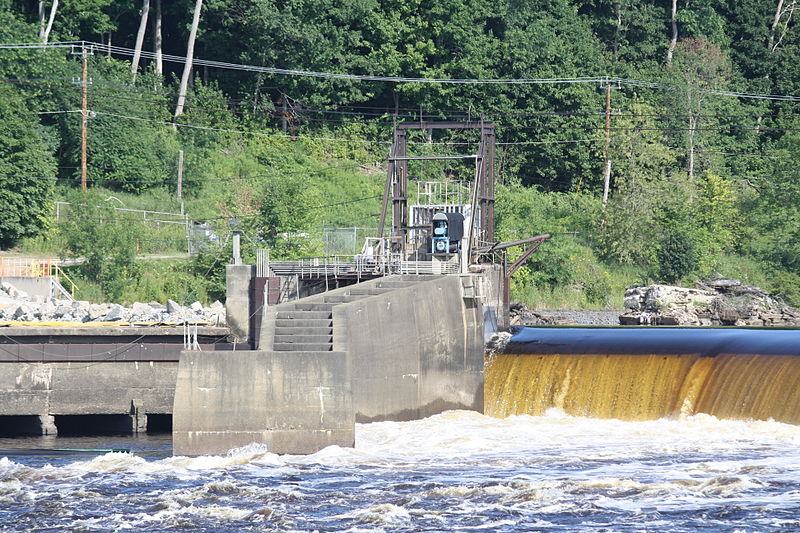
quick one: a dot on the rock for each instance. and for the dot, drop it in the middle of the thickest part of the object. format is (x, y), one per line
(141, 309)
(197, 307)
(715, 303)
(62, 311)
(174, 307)
(720, 284)
(96, 311)
(217, 304)
(20, 312)
(117, 312)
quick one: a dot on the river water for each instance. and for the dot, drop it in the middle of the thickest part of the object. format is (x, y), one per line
(457, 471)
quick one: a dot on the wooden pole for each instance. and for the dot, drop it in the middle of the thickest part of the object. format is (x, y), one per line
(84, 114)
(607, 167)
(180, 174)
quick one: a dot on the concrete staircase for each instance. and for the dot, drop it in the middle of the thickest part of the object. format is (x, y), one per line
(307, 324)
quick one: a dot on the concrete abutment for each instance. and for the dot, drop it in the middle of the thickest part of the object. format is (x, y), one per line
(393, 348)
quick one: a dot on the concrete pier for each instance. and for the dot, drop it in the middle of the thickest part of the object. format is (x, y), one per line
(393, 348)
(91, 379)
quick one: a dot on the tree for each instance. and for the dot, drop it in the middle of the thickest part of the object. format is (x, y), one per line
(45, 22)
(677, 257)
(187, 67)
(106, 241)
(698, 68)
(27, 171)
(288, 212)
(139, 40)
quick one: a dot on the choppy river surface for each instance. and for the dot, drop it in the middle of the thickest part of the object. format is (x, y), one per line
(458, 471)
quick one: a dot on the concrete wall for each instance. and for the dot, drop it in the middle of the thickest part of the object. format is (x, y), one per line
(398, 354)
(237, 300)
(294, 402)
(46, 390)
(413, 352)
(34, 287)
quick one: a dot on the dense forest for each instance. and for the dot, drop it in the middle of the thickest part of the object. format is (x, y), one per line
(284, 122)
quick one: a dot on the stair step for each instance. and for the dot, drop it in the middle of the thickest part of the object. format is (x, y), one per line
(292, 329)
(303, 323)
(303, 315)
(339, 299)
(369, 291)
(395, 284)
(320, 307)
(300, 347)
(302, 339)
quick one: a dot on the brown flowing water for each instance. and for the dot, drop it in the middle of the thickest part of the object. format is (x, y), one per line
(645, 374)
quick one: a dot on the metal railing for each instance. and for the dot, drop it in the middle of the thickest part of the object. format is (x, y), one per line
(26, 267)
(359, 266)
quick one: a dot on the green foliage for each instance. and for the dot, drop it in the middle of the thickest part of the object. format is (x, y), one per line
(677, 257)
(286, 216)
(717, 216)
(740, 196)
(106, 242)
(160, 280)
(27, 171)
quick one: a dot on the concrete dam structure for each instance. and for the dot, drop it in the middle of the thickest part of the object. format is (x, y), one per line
(60, 380)
(648, 373)
(394, 348)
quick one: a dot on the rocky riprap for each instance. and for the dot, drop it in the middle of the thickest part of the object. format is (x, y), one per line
(712, 303)
(17, 306)
(522, 316)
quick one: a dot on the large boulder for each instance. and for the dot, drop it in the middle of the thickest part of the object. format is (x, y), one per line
(713, 303)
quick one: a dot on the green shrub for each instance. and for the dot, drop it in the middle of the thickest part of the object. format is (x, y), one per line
(677, 257)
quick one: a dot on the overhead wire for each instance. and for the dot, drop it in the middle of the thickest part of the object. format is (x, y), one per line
(599, 80)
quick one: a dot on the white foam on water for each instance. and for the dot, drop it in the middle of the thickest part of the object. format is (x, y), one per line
(385, 513)
(448, 470)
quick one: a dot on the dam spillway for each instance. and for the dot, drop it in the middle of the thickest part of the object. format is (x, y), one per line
(647, 373)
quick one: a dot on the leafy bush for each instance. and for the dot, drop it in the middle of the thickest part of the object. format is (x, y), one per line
(105, 241)
(677, 257)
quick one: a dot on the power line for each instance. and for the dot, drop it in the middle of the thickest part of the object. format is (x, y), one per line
(598, 80)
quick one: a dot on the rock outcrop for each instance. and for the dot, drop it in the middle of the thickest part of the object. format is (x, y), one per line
(16, 305)
(713, 303)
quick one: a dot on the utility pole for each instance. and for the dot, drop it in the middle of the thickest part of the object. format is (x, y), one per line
(284, 114)
(607, 156)
(84, 113)
(180, 174)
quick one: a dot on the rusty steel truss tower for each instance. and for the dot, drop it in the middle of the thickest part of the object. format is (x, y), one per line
(396, 190)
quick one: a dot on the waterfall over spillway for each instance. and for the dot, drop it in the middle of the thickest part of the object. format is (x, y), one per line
(645, 374)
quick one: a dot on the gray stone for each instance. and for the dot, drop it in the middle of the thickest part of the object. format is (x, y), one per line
(217, 304)
(722, 302)
(197, 307)
(97, 311)
(141, 309)
(174, 307)
(21, 311)
(117, 312)
(62, 311)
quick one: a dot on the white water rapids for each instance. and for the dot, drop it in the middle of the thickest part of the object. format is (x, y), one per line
(458, 471)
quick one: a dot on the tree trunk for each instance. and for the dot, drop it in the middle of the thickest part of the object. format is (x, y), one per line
(674, 41)
(137, 52)
(42, 19)
(774, 26)
(46, 33)
(187, 68)
(157, 39)
(691, 142)
(618, 28)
